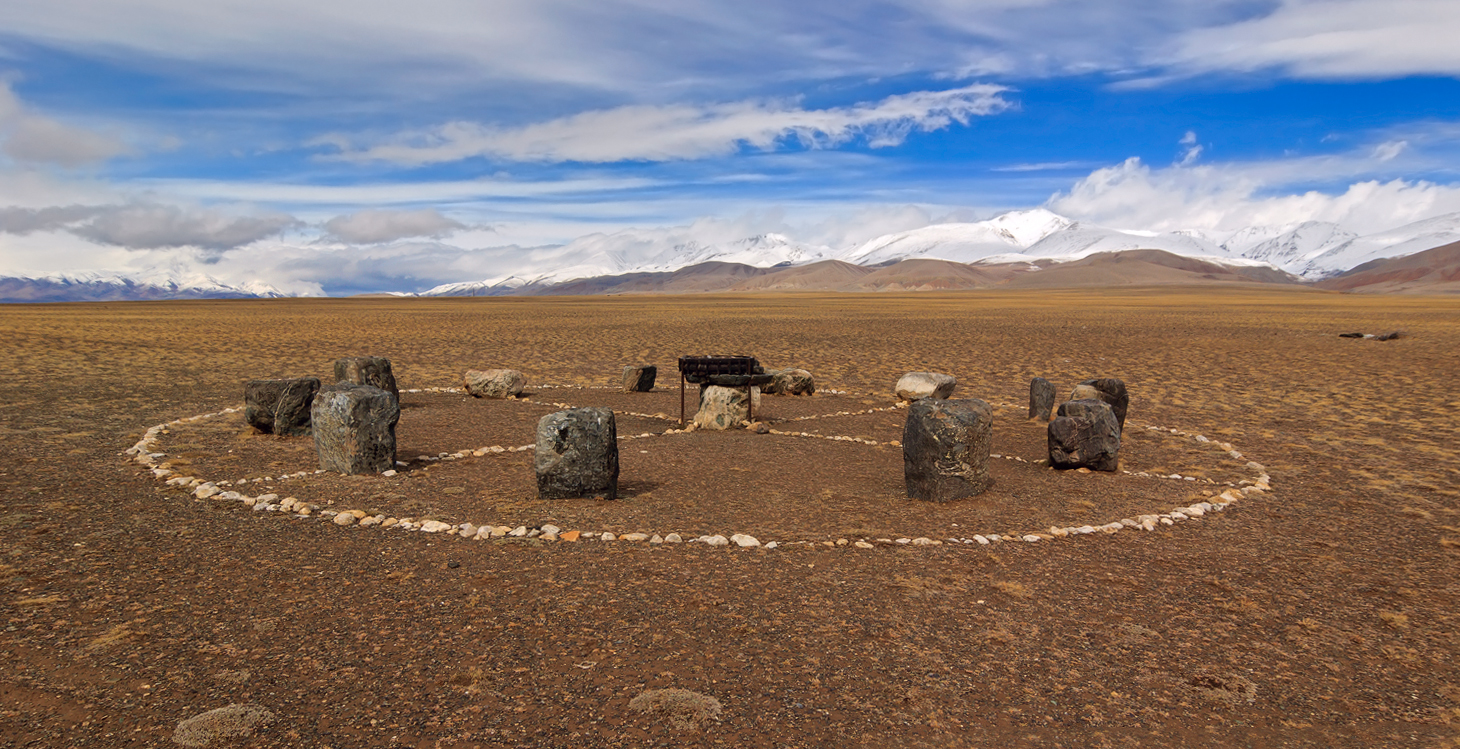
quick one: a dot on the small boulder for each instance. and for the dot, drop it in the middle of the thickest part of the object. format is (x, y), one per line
(639, 378)
(1392, 335)
(791, 382)
(915, 385)
(354, 428)
(1084, 434)
(279, 406)
(577, 454)
(367, 370)
(723, 407)
(1041, 398)
(945, 448)
(1112, 391)
(497, 384)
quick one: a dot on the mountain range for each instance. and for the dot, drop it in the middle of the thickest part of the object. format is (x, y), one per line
(1020, 249)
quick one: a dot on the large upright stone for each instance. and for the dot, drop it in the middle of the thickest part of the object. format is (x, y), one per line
(790, 382)
(1041, 398)
(945, 448)
(915, 385)
(498, 384)
(1084, 434)
(279, 406)
(723, 407)
(1112, 391)
(577, 454)
(639, 378)
(367, 370)
(354, 428)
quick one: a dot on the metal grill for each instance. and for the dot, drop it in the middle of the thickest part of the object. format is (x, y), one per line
(700, 370)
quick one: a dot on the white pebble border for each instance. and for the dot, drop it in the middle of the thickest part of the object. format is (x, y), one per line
(145, 454)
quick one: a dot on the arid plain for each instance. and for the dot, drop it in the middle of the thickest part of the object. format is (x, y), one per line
(1325, 613)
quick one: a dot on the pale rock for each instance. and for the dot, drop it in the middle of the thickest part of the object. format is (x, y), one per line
(550, 528)
(634, 537)
(744, 541)
(468, 530)
(773, 544)
(518, 532)
(1166, 521)
(1031, 538)
(436, 526)
(606, 536)
(673, 538)
(981, 540)
(549, 536)
(862, 545)
(656, 539)
(921, 541)
(716, 540)
(345, 519)
(367, 522)
(500, 531)
(206, 490)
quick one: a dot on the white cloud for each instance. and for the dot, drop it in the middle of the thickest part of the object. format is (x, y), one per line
(1330, 39)
(1228, 198)
(685, 131)
(1192, 151)
(376, 225)
(35, 139)
(141, 226)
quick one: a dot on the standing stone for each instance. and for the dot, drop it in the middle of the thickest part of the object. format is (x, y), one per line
(1084, 434)
(1041, 398)
(1112, 391)
(367, 370)
(577, 454)
(945, 448)
(354, 428)
(915, 385)
(497, 384)
(791, 382)
(279, 406)
(723, 407)
(639, 378)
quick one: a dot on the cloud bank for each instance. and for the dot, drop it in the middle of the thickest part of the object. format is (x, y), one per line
(30, 138)
(376, 225)
(686, 131)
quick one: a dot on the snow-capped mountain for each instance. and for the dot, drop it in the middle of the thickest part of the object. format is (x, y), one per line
(963, 242)
(1330, 260)
(1292, 249)
(155, 284)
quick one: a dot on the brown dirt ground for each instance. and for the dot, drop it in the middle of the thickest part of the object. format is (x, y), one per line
(1322, 615)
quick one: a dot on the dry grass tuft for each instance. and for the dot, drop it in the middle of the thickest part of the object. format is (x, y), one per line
(1394, 620)
(233, 721)
(1013, 589)
(685, 710)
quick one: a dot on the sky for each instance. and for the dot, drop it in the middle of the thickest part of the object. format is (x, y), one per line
(346, 147)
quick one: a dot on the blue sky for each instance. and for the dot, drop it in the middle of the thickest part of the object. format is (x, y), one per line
(328, 146)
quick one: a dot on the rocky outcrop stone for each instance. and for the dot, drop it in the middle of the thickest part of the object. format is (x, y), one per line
(790, 382)
(1041, 398)
(354, 428)
(1112, 391)
(279, 406)
(577, 454)
(915, 385)
(639, 378)
(945, 448)
(367, 370)
(1084, 434)
(498, 384)
(723, 407)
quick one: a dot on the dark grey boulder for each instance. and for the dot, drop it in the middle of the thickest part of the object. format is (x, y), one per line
(354, 428)
(1084, 434)
(279, 406)
(367, 370)
(945, 448)
(1112, 391)
(577, 454)
(1041, 398)
(639, 378)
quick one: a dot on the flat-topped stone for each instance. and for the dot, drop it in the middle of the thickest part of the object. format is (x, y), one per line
(945, 448)
(498, 384)
(354, 428)
(577, 454)
(915, 385)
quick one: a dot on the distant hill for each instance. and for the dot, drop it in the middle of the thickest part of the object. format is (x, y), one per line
(1434, 271)
(99, 288)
